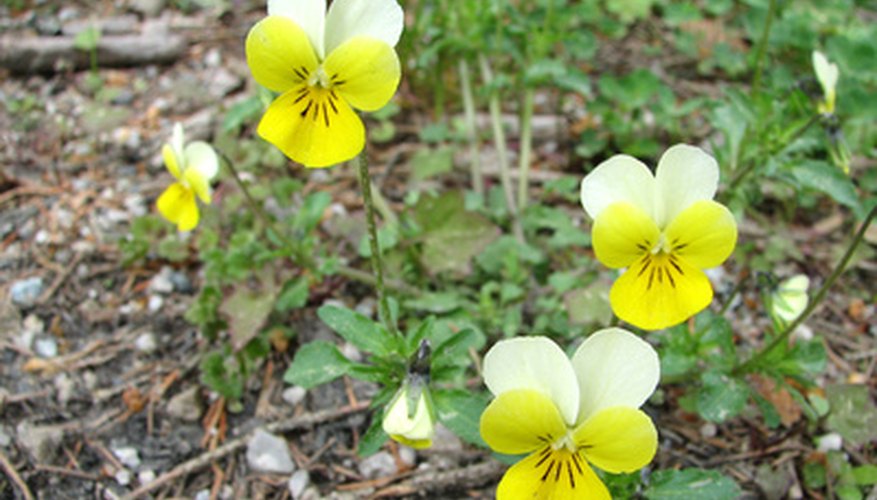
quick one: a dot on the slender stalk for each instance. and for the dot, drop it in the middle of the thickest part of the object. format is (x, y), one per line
(471, 128)
(783, 336)
(302, 258)
(377, 266)
(526, 147)
(762, 47)
(500, 143)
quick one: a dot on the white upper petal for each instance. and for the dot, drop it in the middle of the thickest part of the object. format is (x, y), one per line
(826, 72)
(685, 174)
(202, 158)
(381, 19)
(620, 178)
(533, 363)
(178, 140)
(310, 15)
(614, 368)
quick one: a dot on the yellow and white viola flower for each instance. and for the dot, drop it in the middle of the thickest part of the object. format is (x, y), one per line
(568, 414)
(827, 74)
(409, 418)
(664, 228)
(790, 298)
(323, 64)
(193, 166)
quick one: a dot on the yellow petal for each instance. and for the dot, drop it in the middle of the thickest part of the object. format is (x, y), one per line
(177, 205)
(170, 161)
(520, 421)
(417, 444)
(279, 53)
(551, 475)
(622, 233)
(703, 234)
(660, 290)
(313, 126)
(618, 439)
(199, 184)
(364, 71)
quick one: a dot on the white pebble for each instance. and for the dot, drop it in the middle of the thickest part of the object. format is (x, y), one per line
(298, 482)
(146, 476)
(830, 442)
(269, 453)
(123, 477)
(294, 395)
(145, 342)
(155, 303)
(381, 464)
(46, 347)
(128, 456)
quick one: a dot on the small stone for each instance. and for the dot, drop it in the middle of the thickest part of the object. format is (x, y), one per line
(213, 58)
(89, 379)
(830, 442)
(269, 453)
(46, 347)
(26, 292)
(366, 307)
(381, 464)
(161, 282)
(294, 395)
(407, 455)
(222, 83)
(146, 476)
(32, 323)
(202, 495)
(128, 456)
(65, 387)
(148, 8)
(5, 440)
(186, 405)
(145, 342)
(155, 303)
(41, 442)
(123, 477)
(298, 482)
(708, 430)
(351, 352)
(181, 282)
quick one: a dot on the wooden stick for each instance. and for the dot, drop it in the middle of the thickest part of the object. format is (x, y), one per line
(14, 477)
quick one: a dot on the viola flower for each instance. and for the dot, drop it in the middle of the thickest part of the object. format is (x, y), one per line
(827, 74)
(790, 299)
(664, 228)
(323, 64)
(569, 414)
(409, 418)
(193, 165)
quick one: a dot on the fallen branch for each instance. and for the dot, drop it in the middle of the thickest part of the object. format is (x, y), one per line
(205, 459)
(431, 481)
(22, 55)
(14, 477)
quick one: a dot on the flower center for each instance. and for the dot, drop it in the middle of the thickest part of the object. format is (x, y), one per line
(553, 466)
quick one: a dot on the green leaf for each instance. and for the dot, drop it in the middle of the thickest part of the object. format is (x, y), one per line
(312, 212)
(452, 235)
(242, 112)
(456, 348)
(293, 296)
(360, 331)
(691, 483)
(721, 397)
(247, 310)
(630, 10)
(589, 306)
(865, 475)
(221, 377)
(853, 414)
(429, 162)
(436, 302)
(374, 437)
(460, 411)
(316, 363)
(827, 178)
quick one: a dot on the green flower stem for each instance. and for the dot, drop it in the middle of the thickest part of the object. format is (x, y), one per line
(500, 144)
(382, 206)
(300, 257)
(377, 267)
(471, 127)
(783, 336)
(526, 147)
(762, 47)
